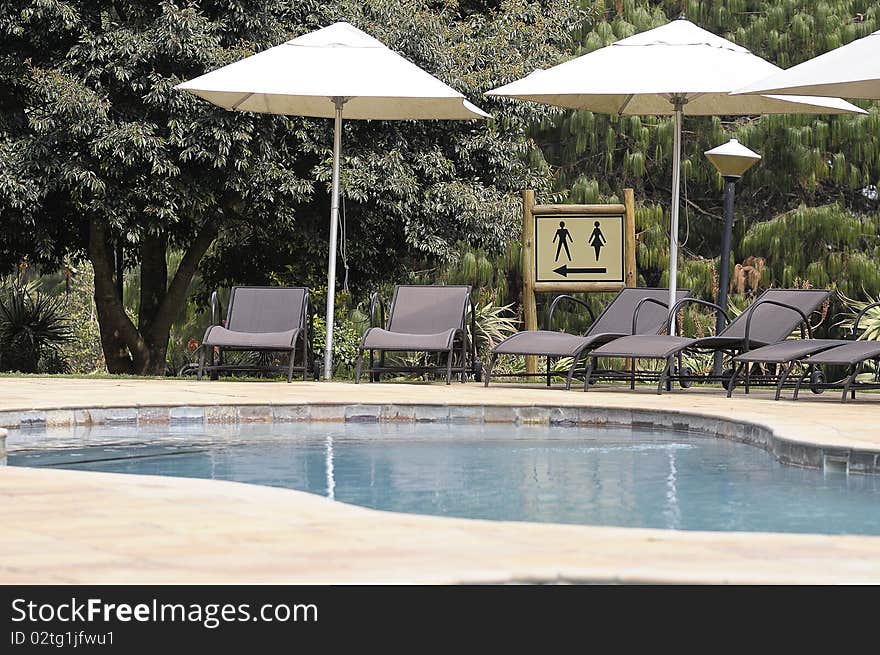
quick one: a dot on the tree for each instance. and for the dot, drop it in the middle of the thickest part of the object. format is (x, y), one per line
(100, 158)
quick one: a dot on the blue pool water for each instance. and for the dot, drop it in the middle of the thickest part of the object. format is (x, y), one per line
(589, 476)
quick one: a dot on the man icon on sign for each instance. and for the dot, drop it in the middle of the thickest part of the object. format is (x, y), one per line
(563, 236)
(597, 239)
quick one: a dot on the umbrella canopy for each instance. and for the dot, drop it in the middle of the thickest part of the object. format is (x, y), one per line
(644, 74)
(675, 69)
(335, 72)
(300, 78)
(851, 71)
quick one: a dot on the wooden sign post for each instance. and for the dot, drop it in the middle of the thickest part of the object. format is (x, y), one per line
(575, 249)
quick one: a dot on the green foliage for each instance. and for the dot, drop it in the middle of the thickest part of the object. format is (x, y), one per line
(494, 323)
(828, 245)
(346, 339)
(83, 351)
(808, 161)
(33, 326)
(869, 325)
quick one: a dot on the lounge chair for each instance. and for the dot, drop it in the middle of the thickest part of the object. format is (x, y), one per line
(260, 319)
(634, 310)
(810, 354)
(422, 318)
(770, 319)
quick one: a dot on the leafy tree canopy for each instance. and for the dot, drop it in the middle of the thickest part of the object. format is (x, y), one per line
(101, 158)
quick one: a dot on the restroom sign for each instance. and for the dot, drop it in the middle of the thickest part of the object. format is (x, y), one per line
(579, 247)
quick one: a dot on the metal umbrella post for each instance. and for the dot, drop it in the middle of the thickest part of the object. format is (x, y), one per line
(678, 103)
(334, 231)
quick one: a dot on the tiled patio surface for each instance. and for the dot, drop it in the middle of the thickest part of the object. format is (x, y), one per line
(67, 526)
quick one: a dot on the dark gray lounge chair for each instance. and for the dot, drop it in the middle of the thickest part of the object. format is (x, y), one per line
(422, 318)
(770, 319)
(634, 310)
(809, 354)
(262, 319)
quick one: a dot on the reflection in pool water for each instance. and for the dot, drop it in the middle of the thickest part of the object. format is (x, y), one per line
(521, 473)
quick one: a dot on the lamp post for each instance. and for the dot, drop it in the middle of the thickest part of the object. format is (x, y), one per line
(732, 160)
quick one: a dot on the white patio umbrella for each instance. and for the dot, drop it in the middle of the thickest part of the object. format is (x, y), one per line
(335, 72)
(675, 69)
(850, 71)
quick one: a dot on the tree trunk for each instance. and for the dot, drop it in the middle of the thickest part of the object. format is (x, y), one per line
(142, 350)
(124, 349)
(154, 286)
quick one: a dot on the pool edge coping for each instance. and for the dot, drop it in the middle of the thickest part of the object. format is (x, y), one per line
(788, 450)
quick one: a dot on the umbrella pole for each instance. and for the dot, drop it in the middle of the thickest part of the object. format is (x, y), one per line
(334, 229)
(673, 228)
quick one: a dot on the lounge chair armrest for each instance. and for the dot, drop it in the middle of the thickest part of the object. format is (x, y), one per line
(697, 301)
(557, 300)
(861, 314)
(216, 308)
(376, 301)
(473, 337)
(638, 308)
(746, 339)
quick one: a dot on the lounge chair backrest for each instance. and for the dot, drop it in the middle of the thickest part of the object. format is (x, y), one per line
(617, 317)
(266, 309)
(427, 309)
(773, 323)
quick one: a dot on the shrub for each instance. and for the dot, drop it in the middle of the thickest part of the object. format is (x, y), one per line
(33, 326)
(346, 339)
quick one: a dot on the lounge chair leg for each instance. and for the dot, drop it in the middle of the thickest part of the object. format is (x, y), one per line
(568, 378)
(548, 371)
(305, 356)
(588, 371)
(857, 368)
(201, 363)
(664, 374)
(782, 378)
(731, 384)
(215, 373)
(357, 375)
(376, 376)
(632, 374)
(290, 365)
(748, 378)
(737, 371)
(488, 372)
(449, 365)
(463, 375)
(807, 373)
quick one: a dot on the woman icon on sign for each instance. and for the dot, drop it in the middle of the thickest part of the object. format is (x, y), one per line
(597, 239)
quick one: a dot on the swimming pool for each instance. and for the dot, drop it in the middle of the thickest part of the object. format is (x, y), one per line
(593, 476)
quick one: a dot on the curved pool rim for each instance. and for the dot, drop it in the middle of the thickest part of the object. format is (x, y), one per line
(804, 453)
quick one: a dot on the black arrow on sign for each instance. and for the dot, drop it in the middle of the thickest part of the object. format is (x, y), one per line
(564, 270)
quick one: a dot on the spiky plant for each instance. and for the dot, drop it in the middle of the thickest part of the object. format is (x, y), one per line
(869, 326)
(33, 326)
(494, 323)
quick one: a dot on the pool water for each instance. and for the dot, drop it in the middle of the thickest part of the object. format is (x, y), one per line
(592, 476)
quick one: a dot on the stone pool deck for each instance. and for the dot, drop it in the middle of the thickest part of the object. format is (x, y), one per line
(82, 527)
